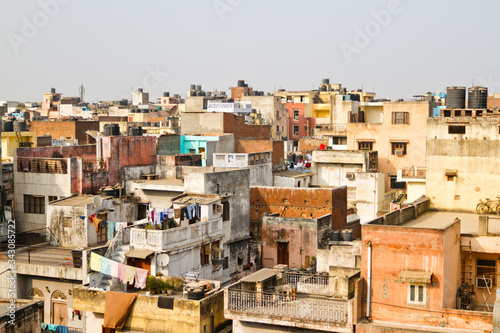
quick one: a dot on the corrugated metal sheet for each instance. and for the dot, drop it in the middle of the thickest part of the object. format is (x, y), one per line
(259, 276)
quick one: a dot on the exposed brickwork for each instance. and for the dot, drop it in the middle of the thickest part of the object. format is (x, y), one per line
(305, 125)
(300, 202)
(306, 146)
(65, 129)
(258, 146)
(237, 126)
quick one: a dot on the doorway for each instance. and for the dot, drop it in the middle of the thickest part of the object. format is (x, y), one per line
(282, 253)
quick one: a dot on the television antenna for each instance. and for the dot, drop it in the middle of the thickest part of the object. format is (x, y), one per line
(81, 91)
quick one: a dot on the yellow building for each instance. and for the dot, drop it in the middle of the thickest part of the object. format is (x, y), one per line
(13, 140)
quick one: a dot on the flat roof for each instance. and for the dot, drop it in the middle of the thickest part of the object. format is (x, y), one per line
(441, 220)
(160, 182)
(292, 173)
(202, 200)
(76, 201)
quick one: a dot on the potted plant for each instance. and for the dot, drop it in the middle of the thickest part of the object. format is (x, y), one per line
(152, 284)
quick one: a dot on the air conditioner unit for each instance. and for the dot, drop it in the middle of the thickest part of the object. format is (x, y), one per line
(349, 175)
(398, 153)
(484, 282)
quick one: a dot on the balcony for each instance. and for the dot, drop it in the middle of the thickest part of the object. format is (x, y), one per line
(413, 174)
(331, 130)
(165, 240)
(289, 310)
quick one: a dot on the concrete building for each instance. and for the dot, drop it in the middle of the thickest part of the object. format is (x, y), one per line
(276, 300)
(26, 317)
(206, 145)
(259, 146)
(195, 123)
(300, 126)
(140, 97)
(69, 110)
(358, 171)
(462, 159)
(180, 314)
(65, 129)
(13, 140)
(273, 112)
(419, 271)
(260, 165)
(292, 178)
(51, 101)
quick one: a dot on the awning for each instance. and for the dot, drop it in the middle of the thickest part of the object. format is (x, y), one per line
(415, 277)
(216, 248)
(259, 276)
(139, 253)
(207, 249)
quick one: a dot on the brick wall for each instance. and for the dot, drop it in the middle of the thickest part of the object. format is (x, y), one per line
(300, 202)
(308, 145)
(65, 129)
(258, 146)
(237, 126)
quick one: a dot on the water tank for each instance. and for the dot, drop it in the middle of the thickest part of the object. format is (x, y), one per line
(455, 97)
(107, 130)
(198, 88)
(347, 236)
(166, 94)
(52, 90)
(326, 81)
(335, 236)
(192, 87)
(241, 83)
(7, 126)
(198, 93)
(134, 131)
(323, 88)
(478, 98)
(115, 129)
(140, 90)
(19, 126)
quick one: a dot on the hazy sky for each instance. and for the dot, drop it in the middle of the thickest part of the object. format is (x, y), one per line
(401, 48)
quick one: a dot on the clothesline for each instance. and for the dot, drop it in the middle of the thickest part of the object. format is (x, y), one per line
(124, 273)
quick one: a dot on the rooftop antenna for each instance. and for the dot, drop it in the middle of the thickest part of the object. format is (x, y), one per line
(81, 91)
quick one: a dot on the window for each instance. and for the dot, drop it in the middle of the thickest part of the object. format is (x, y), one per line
(52, 198)
(68, 223)
(34, 204)
(205, 251)
(277, 114)
(417, 294)
(397, 185)
(453, 129)
(295, 114)
(339, 140)
(400, 118)
(364, 145)
(305, 128)
(487, 268)
(277, 128)
(398, 148)
(295, 130)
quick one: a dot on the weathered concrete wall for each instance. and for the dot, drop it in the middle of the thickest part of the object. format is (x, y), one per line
(64, 129)
(474, 156)
(345, 254)
(169, 145)
(258, 146)
(307, 146)
(186, 316)
(274, 113)
(28, 316)
(304, 237)
(202, 123)
(419, 249)
(382, 134)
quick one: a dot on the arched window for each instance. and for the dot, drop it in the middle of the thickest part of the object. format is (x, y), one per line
(59, 308)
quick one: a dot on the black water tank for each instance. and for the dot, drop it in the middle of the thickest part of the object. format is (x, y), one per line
(134, 131)
(115, 129)
(198, 88)
(241, 83)
(478, 98)
(19, 126)
(166, 94)
(347, 236)
(196, 294)
(107, 130)
(53, 90)
(323, 88)
(455, 97)
(335, 236)
(7, 126)
(192, 87)
(326, 81)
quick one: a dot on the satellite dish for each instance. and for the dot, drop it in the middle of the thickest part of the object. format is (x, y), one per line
(97, 200)
(163, 259)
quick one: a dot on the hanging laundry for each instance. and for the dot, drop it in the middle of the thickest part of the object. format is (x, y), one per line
(111, 230)
(95, 262)
(140, 278)
(197, 209)
(44, 326)
(177, 213)
(157, 219)
(62, 329)
(183, 213)
(129, 274)
(119, 225)
(121, 272)
(113, 270)
(190, 211)
(95, 222)
(105, 268)
(170, 213)
(52, 327)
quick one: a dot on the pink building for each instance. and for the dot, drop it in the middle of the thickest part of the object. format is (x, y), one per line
(300, 126)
